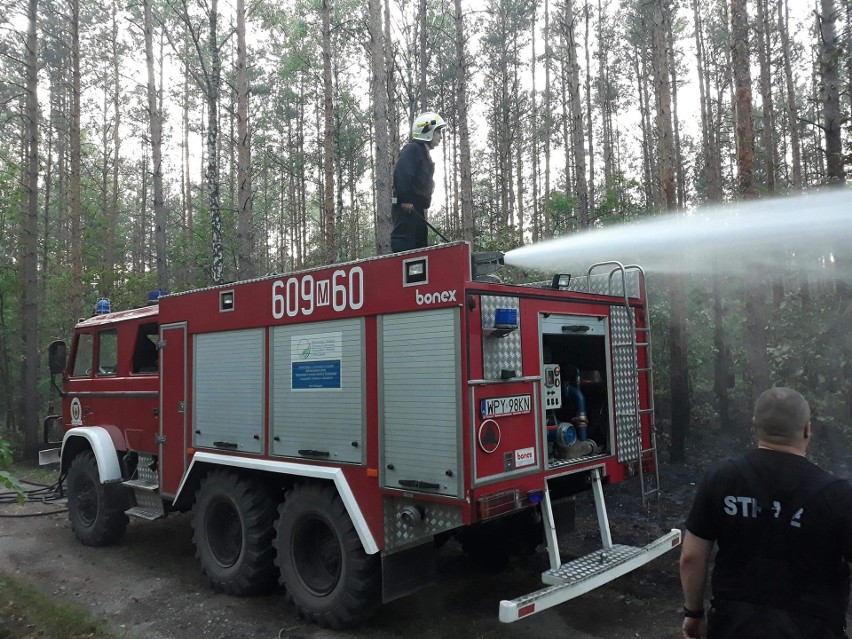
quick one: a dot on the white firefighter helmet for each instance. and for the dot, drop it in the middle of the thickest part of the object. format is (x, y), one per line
(425, 125)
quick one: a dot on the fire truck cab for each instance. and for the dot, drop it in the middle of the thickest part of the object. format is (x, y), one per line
(329, 428)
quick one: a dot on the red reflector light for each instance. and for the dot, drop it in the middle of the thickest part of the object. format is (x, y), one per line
(526, 610)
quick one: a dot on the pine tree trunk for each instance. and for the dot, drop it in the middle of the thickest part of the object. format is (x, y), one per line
(339, 231)
(139, 238)
(378, 89)
(742, 84)
(47, 247)
(74, 144)
(29, 243)
(679, 368)
(645, 116)
(712, 177)
(394, 143)
(156, 129)
(462, 126)
(564, 97)
(849, 55)
(423, 70)
(680, 177)
(328, 135)
(245, 217)
(829, 89)
(606, 105)
(590, 129)
(755, 297)
(212, 97)
(517, 141)
(534, 218)
(108, 276)
(763, 54)
(755, 302)
(722, 363)
(548, 119)
(188, 226)
(581, 189)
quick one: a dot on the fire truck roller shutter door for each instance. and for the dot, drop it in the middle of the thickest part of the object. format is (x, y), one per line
(420, 401)
(317, 390)
(232, 522)
(327, 574)
(228, 388)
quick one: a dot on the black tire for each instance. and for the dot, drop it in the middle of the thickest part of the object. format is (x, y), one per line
(233, 526)
(96, 518)
(329, 578)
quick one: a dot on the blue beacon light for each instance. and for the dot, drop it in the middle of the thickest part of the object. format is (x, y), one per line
(506, 318)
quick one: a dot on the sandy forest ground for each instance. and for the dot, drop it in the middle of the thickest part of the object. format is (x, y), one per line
(151, 587)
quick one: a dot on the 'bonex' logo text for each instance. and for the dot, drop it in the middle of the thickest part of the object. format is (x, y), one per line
(434, 298)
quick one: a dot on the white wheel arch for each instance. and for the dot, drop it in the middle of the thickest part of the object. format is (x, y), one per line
(102, 446)
(299, 470)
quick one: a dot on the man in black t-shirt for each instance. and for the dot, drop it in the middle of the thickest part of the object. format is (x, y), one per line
(784, 531)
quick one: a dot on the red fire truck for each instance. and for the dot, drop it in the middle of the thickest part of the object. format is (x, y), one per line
(329, 428)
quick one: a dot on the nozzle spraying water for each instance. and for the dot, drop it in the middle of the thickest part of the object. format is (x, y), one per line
(807, 232)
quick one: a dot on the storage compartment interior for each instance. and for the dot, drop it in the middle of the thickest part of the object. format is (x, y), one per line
(584, 356)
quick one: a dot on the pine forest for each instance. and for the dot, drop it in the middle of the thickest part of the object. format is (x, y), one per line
(176, 144)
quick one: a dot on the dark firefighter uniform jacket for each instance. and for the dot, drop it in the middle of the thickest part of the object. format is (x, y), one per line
(412, 182)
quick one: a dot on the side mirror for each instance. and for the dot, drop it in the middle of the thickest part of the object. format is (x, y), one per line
(57, 357)
(52, 430)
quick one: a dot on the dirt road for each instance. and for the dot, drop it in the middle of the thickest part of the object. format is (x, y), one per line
(151, 587)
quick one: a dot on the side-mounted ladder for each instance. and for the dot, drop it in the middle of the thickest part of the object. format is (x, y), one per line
(640, 357)
(579, 576)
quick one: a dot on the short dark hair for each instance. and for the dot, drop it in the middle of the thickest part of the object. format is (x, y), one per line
(780, 415)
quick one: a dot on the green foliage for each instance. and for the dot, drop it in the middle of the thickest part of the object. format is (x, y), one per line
(563, 213)
(7, 481)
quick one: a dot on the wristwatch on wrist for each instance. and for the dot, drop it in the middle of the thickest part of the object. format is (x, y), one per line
(693, 614)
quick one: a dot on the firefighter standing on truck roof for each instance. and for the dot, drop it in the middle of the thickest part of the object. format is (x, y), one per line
(413, 184)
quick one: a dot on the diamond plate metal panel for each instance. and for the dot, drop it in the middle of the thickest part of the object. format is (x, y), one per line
(500, 351)
(598, 562)
(144, 471)
(607, 284)
(626, 384)
(436, 518)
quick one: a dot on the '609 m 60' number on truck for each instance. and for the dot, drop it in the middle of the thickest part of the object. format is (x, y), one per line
(301, 295)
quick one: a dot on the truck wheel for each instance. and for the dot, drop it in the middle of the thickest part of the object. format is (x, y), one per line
(95, 520)
(328, 576)
(232, 522)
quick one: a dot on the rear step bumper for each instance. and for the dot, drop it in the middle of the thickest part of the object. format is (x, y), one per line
(583, 574)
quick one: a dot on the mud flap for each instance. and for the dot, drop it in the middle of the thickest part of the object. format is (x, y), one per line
(584, 574)
(409, 570)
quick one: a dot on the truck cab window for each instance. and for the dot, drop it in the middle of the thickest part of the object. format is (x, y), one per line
(145, 352)
(83, 356)
(108, 352)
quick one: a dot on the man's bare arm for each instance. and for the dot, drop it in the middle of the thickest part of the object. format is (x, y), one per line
(694, 562)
